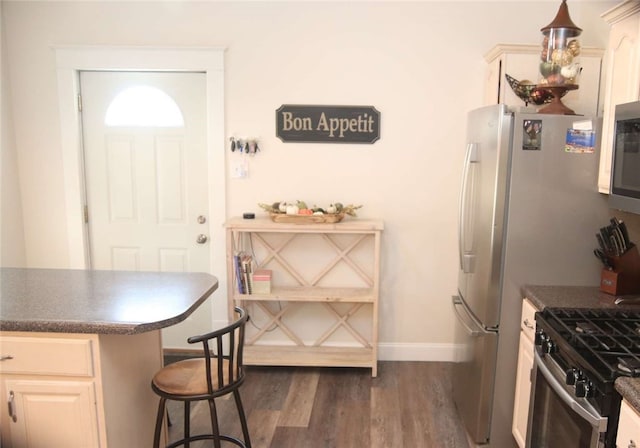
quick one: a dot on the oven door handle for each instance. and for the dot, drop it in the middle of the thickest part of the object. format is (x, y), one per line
(596, 421)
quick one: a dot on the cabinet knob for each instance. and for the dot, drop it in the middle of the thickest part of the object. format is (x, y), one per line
(5, 358)
(632, 444)
(528, 324)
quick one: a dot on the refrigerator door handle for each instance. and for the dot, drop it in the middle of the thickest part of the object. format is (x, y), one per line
(466, 260)
(479, 330)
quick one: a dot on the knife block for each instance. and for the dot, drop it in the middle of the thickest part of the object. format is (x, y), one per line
(624, 278)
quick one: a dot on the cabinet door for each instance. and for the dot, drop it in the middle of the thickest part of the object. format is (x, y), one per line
(528, 320)
(623, 81)
(628, 427)
(523, 390)
(492, 83)
(55, 414)
(518, 61)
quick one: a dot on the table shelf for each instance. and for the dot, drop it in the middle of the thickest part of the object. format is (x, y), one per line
(312, 294)
(268, 355)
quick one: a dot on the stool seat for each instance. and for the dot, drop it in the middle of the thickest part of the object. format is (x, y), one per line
(218, 372)
(188, 377)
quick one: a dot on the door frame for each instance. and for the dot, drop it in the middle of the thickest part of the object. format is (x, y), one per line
(70, 61)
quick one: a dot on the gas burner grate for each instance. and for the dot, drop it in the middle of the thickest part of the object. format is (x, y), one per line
(608, 339)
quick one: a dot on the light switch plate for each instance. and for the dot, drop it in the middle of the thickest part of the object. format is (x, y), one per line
(239, 169)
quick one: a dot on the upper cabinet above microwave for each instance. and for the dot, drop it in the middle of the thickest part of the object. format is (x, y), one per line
(522, 62)
(622, 80)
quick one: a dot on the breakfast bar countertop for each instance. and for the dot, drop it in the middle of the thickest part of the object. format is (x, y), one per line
(100, 302)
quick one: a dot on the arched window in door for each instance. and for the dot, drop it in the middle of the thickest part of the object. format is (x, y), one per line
(143, 106)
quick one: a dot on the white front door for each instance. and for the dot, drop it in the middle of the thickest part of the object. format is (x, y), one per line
(144, 138)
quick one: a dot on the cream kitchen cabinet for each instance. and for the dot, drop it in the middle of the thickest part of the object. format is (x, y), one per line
(49, 386)
(56, 413)
(628, 427)
(77, 391)
(523, 373)
(622, 80)
(522, 63)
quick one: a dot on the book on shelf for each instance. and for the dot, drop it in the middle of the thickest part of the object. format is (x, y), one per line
(246, 272)
(243, 265)
(261, 281)
(238, 269)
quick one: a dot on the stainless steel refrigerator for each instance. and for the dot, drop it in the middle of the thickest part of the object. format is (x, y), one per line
(529, 212)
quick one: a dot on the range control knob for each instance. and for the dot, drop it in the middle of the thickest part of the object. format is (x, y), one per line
(540, 337)
(584, 389)
(549, 347)
(573, 375)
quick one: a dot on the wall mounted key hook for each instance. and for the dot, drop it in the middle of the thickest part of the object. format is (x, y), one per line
(252, 147)
(244, 145)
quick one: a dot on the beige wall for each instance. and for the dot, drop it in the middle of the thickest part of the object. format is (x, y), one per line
(419, 63)
(12, 252)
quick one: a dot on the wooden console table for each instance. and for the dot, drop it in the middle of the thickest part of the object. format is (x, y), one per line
(335, 267)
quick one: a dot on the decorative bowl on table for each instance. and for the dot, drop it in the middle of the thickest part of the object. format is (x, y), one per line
(299, 213)
(326, 218)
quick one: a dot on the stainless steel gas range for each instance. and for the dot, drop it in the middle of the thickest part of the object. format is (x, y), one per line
(579, 354)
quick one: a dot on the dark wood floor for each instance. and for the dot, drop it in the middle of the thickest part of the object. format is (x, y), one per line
(407, 405)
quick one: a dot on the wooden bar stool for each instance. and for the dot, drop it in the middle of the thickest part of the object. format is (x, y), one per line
(219, 372)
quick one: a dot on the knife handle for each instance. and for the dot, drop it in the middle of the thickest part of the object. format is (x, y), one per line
(603, 247)
(625, 233)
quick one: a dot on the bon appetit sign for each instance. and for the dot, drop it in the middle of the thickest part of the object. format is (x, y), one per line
(327, 124)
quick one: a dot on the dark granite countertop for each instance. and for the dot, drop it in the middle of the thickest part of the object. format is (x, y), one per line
(629, 388)
(570, 297)
(585, 297)
(102, 302)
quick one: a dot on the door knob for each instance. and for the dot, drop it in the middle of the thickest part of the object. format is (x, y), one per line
(201, 239)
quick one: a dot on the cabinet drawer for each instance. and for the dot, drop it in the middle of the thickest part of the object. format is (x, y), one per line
(528, 320)
(46, 356)
(628, 427)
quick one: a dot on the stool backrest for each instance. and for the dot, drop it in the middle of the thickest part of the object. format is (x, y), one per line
(223, 354)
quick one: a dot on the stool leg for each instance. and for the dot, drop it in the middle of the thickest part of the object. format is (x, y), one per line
(159, 418)
(243, 420)
(214, 422)
(187, 425)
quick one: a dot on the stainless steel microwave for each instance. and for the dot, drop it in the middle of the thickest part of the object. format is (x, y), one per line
(625, 166)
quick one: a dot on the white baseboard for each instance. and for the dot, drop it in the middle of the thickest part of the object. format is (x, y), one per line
(390, 351)
(419, 352)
